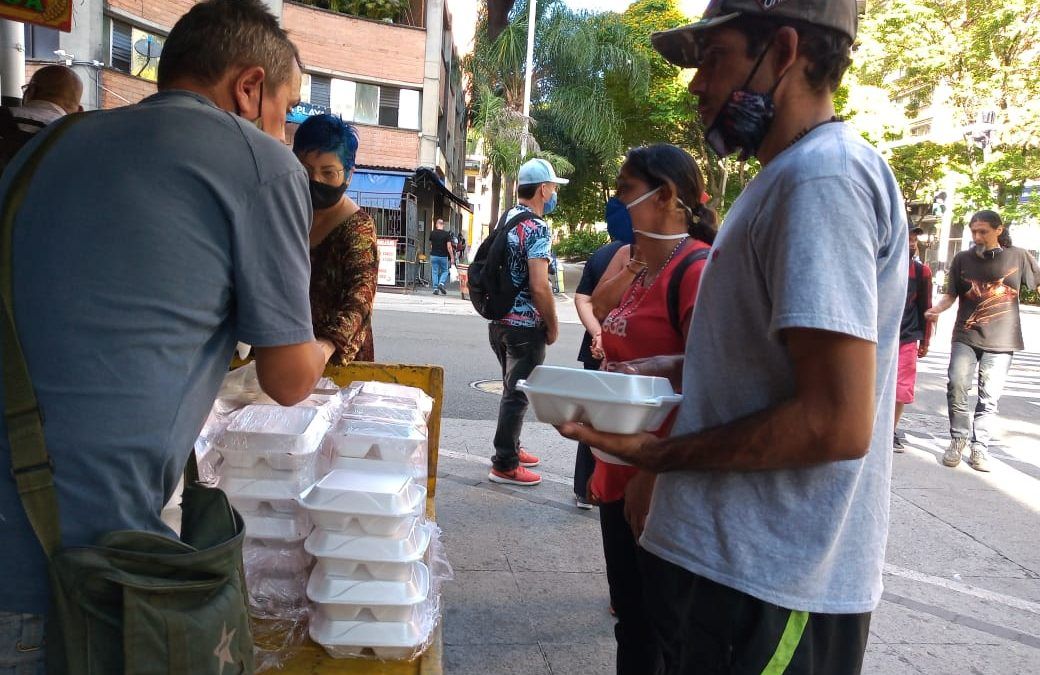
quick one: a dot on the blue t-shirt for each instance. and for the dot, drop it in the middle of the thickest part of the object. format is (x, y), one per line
(528, 239)
(817, 240)
(152, 238)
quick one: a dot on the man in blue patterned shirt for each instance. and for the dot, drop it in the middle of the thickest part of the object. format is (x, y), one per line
(520, 337)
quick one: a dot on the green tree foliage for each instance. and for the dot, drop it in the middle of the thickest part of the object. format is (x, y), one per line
(984, 54)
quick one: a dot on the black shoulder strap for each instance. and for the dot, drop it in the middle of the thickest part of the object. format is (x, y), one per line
(675, 285)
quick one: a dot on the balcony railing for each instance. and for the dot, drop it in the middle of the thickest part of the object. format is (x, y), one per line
(400, 12)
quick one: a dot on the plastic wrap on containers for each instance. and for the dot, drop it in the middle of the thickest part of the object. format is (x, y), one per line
(415, 468)
(393, 391)
(276, 574)
(366, 408)
(279, 436)
(360, 438)
(376, 557)
(369, 494)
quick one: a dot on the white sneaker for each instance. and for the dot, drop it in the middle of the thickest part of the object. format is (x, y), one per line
(979, 458)
(952, 456)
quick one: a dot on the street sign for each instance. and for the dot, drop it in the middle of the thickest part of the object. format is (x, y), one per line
(387, 275)
(301, 111)
(49, 13)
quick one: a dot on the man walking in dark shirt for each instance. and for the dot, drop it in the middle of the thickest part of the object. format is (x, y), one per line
(914, 333)
(985, 281)
(442, 251)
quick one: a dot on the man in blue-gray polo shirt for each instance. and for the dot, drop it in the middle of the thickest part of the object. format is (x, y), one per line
(151, 239)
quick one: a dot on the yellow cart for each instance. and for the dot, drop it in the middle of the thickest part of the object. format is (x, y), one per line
(311, 659)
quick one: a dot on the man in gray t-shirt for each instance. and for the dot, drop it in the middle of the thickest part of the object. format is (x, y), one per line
(151, 239)
(766, 536)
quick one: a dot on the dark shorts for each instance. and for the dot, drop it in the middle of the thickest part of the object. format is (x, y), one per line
(704, 627)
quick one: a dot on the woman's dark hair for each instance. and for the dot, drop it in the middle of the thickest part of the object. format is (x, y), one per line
(659, 164)
(827, 50)
(328, 133)
(216, 35)
(992, 218)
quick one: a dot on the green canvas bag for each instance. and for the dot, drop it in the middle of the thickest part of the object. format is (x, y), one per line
(138, 603)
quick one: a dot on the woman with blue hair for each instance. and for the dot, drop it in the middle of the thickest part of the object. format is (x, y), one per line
(344, 256)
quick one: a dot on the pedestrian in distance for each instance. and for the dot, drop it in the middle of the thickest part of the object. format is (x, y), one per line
(915, 332)
(764, 545)
(520, 337)
(442, 256)
(52, 93)
(133, 287)
(985, 281)
(658, 198)
(344, 254)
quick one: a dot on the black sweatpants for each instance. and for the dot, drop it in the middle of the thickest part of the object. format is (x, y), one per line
(705, 627)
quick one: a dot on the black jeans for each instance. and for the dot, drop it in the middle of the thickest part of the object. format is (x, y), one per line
(637, 650)
(584, 462)
(705, 627)
(518, 350)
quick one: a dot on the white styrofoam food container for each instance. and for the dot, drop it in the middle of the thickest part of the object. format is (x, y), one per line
(390, 390)
(416, 467)
(354, 555)
(611, 402)
(375, 494)
(274, 433)
(274, 526)
(276, 557)
(396, 527)
(375, 439)
(351, 599)
(387, 640)
(386, 410)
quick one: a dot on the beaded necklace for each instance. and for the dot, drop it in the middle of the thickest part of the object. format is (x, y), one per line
(616, 322)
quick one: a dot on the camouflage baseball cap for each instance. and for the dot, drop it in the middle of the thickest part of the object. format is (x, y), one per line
(679, 45)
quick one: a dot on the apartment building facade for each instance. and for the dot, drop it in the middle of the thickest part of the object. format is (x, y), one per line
(396, 77)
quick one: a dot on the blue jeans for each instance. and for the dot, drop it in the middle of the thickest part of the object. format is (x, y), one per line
(440, 270)
(21, 644)
(992, 373)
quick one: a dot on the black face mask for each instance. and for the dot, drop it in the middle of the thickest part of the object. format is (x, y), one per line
(744, 120)
(326, 196)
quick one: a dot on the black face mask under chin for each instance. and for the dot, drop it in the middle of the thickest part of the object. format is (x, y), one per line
(325, 196)
(743, 122)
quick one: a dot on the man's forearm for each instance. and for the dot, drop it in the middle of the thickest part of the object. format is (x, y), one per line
(786, 436)
(543, 301)
(945, 303)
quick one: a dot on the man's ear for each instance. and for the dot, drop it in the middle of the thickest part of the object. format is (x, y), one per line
(247, 90)
(785, 50)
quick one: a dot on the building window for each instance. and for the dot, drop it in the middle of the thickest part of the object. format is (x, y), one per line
(365, 103)
(922, 129)
(40, 42)
(135, 51)
(471, 184)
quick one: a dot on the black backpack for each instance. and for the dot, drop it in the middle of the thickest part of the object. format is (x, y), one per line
(491, 287)
(12, 137)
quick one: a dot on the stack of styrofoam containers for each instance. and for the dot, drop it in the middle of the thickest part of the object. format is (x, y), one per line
(269, 454)
(371, 585)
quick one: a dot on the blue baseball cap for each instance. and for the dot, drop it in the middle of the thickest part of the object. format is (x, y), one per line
(538, 171)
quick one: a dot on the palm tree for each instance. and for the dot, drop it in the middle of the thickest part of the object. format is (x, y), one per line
(575, 52)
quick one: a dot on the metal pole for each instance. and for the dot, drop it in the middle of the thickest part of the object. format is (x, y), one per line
(529, 72)
(12, 61)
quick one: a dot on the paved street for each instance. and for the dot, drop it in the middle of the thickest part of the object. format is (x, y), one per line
(963, 561)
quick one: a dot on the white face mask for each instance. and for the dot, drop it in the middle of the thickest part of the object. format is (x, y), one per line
(654, 235)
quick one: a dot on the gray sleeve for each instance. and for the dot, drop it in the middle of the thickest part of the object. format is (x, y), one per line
(272, 265)
(818, 249)
(1030, 271)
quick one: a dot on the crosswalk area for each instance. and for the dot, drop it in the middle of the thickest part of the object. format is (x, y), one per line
(1023, 379)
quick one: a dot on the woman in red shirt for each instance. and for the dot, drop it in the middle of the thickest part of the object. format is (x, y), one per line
(659, 189)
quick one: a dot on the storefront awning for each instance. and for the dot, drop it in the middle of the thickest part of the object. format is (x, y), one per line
(431, 177)
(377, 189)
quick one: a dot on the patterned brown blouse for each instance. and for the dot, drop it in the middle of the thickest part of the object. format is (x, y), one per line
(344, 268)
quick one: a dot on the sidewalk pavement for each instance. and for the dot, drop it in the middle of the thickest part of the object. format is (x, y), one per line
(962, 577)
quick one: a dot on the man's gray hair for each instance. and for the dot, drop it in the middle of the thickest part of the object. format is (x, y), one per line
(216, 35)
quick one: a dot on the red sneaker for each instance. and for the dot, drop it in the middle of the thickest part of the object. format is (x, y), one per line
(518, 476)
(527, 459)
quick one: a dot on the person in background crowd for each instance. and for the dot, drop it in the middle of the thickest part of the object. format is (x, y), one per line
(986, 281)
(658, 198)
(442, 256)
(591, 352)
(764, 547)
(344, 254)
(519, 338)
(133, 286)
(915, 332)
(52, 93)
